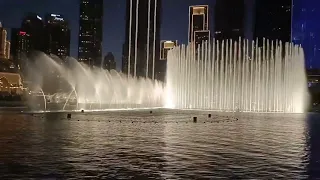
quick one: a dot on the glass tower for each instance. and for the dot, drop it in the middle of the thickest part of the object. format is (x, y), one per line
(90, 31)
(141, 49)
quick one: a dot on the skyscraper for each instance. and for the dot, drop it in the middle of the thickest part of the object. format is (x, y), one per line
(199, 24)
(19, 46)
(4, 44)
(33, 25)
(273, 20)
(141, 49)
(161, 65)
(7, 50)
(165, 46)
(3, 39)
(229, 19)
(90, 31)
(57, 35)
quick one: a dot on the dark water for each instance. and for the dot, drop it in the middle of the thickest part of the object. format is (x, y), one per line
(161, 145)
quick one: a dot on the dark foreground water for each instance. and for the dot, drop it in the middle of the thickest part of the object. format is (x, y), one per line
(161, 145)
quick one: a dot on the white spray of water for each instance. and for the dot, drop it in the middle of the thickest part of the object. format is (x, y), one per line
(237, 76)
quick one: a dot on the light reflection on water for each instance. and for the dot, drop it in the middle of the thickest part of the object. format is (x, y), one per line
(161, 145)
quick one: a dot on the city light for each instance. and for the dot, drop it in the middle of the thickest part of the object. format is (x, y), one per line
(22, 33)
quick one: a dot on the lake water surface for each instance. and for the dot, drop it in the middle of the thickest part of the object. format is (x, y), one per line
(165, 144)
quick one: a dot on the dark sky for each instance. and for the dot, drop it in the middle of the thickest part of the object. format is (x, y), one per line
(174, 19)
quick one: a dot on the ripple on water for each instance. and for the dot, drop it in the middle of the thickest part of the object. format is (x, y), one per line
(162, 145)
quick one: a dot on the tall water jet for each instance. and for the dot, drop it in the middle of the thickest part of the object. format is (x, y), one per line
(237, 76)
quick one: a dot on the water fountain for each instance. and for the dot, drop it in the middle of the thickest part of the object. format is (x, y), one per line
(76, 86)
(237, 76)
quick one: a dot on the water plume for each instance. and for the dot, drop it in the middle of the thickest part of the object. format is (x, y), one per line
(71, 84)
(237, 76)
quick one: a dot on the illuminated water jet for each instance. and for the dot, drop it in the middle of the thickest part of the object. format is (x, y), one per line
(237, 76)
(75, 86)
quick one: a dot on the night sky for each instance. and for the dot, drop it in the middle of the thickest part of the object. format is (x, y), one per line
(174, 19)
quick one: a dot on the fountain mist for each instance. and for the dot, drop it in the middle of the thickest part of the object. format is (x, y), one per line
(75, 86)
(237, 76)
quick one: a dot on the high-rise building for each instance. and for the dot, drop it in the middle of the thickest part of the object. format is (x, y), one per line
(33, 25)
(273, 20)
(199, 24)
(165, 46)
(90, 31)
(7, 50)
(57, 36)
(4, 44)
(161, 65)
(141, 49)
(201, 36)
(20, 45)
(229, 19)
(3, 40)
(109, 62)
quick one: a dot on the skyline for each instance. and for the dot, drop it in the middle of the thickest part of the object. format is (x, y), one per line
(172, 27)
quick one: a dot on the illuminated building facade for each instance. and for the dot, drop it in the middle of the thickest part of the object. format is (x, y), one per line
(20, 46)
(7, 50)
(4, 44)
(199, 24)
(10, 83)
(90, 31)
(313, 78)
(273, 20)
(10, 80)
(165, 46)
(201, 36)
(161, 65)
(229, 19)
(141, 49)
(33, 25)
(57, 35)
(3, 37)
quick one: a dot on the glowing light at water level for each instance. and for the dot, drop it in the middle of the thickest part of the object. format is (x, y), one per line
(238, 76)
